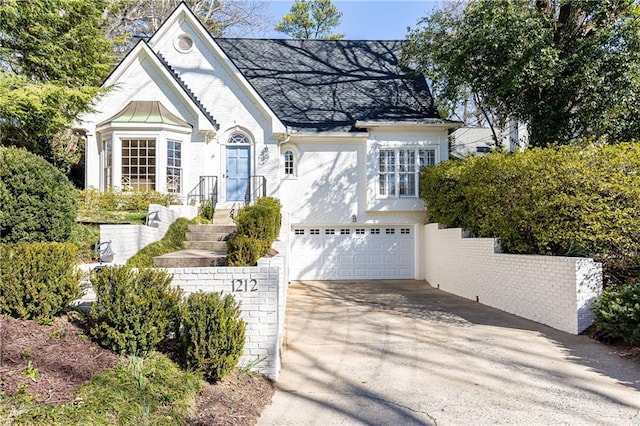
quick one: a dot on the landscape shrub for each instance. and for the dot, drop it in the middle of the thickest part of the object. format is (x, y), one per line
(134, 310)
(257, 228)
(92, 199)
(206, 209)
(570, 201)
(37, 280)
(261, 221)
(38, 203)
(618, 312)
(245, 251)
(212, 334)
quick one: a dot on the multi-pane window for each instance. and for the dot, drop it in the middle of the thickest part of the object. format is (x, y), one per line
(329, 231)
(288, 163)
(399, 169)
(238, 138)
(174, 166)
(299, 231)
(375, 231)
(138, 164)
(314, 231)
(107, 150)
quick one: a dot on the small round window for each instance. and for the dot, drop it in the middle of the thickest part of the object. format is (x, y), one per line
(184, 43)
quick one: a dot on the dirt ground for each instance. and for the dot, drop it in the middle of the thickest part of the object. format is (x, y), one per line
(61, 358)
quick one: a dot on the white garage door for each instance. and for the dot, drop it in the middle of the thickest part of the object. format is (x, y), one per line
(352, 253)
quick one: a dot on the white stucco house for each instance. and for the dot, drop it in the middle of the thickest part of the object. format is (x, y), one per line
(334, 129)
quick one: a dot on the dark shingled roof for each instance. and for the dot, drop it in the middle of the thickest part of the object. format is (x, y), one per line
(326, 85)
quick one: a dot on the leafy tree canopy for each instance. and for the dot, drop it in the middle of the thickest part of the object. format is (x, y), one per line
(53, 57)
(568, 68)
(311, 19)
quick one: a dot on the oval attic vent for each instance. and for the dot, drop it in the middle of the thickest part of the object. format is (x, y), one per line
(184, 43)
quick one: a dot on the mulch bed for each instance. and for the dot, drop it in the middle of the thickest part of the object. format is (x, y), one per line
(65, 359)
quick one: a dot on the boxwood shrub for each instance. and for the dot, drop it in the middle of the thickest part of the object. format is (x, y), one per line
(134, 309)
(37, 280)
(212, 334)
(572, 200)
(618, 312)
(257, 228)
(38, 203)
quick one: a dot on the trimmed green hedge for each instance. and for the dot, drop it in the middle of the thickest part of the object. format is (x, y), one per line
(37, 202)
(92, 199)
(134, 310)
(257, 228)
(571, 200)
(618, 312)
(212, 334)
(37, 280)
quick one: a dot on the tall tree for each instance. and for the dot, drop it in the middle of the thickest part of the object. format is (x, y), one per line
(311, 19)
(128, 18)
(53, 58)
(568, 68)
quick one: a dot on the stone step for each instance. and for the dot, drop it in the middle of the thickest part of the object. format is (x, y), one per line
(208, 236)
(191, 258)
(219, 245)
(227, 229)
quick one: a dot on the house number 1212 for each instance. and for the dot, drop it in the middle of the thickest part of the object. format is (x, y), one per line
(244, 285)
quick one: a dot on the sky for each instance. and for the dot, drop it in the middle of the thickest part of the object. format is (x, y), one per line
(367, 19)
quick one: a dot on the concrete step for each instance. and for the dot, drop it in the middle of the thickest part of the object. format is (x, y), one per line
(218, 245)
(207, 236)
(191, 258)
(227, 229)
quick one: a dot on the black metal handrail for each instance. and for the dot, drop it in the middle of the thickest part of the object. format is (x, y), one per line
(206, 189)
(256, 188)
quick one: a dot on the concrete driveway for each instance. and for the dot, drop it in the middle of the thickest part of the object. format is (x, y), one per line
(403, 353)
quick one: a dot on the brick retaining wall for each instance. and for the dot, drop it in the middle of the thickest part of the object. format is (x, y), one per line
(552, 290)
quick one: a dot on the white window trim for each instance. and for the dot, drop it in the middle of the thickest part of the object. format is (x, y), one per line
(396, 148)
(296, 160)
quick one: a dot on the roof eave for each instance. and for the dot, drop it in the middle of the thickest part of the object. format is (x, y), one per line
(429, 123)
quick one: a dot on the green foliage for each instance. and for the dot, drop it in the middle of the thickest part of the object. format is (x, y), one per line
(153, 391)
(567, 68)
(172, 241)
(38, 202)
(55, 56)
(311, 19)
(206, 210)
(37, 280)
(261, 221)
(245, 251)
(92, 199)
(572, 200)
(257, 228)
(134, 310)
(618, 312)
(212, 335)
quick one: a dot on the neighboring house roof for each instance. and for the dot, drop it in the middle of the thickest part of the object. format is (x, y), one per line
(148, 112)
(328, 85)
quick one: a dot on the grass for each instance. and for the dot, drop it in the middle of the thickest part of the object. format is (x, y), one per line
(150, 391)
(172, 241)
(86, 232)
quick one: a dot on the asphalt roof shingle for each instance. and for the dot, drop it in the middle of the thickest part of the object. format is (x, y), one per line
(326, 85)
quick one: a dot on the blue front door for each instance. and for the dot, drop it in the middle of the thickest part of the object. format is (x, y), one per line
(237, 172)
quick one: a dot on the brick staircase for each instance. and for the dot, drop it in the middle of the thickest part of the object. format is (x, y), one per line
(205, 245)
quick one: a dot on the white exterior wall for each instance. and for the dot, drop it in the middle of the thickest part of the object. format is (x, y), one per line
(127, 240)
(555, 291)
(260, 293)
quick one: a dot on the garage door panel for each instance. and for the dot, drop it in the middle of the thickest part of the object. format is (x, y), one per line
(347, 254)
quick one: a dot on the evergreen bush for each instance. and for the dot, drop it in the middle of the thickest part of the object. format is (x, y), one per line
(92, 199)
(172, 241)
(245, 251)
(211, 339)
(618, 312)
(134, 310)
(38, 203)
(37, 280)
(568, 201)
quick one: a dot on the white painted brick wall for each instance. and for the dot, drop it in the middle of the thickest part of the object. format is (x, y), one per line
(127, 240)
(262, 304)
(552, 290)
